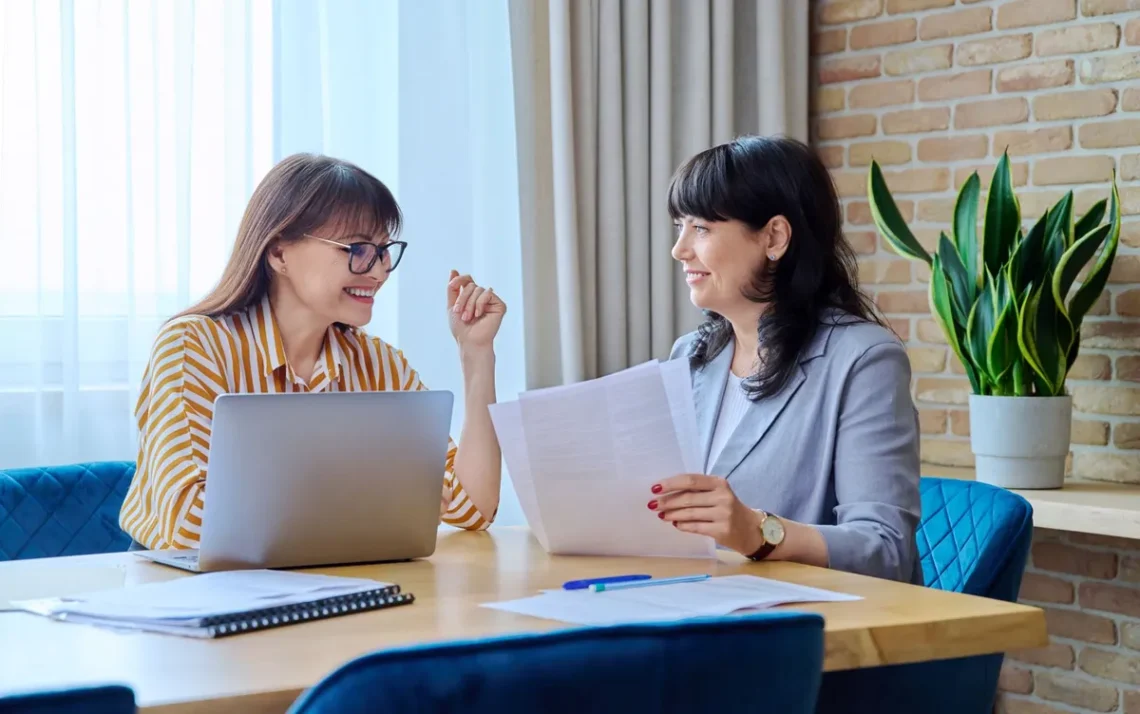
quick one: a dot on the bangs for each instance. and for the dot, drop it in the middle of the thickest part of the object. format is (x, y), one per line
(701, 187)
(345, 200)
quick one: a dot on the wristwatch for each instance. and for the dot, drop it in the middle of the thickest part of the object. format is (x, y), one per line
(772, 531)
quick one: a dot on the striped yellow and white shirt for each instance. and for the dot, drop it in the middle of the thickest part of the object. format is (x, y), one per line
(196, 359)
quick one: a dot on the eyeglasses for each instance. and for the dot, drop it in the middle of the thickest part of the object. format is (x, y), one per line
(362, 255)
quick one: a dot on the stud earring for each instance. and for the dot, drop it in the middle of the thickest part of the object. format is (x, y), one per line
(771, 256)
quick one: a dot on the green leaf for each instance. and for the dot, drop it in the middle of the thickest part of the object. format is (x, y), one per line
(1090, 290)
(961, 282)
(941, 310)
(1026, 261)
(1054, 334)
(1027, 337)
(980, 328)
(1073, 260)
(1001, 352)
(1002, 220)
(1057, 231)
(889, 220)
(1091, 219)
(965, 231)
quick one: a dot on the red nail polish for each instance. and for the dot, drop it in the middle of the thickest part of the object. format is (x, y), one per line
(656, 488)
(661, 515)
(653, 505)
(674, 524)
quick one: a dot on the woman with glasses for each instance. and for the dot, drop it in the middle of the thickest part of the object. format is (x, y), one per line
(317, 241)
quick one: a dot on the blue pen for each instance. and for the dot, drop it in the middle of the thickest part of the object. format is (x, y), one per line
(583, 584)
(602, 587)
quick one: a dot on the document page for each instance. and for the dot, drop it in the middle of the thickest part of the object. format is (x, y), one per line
(589, 454)
(713, 597)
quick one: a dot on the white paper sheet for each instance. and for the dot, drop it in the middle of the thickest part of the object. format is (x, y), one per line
(716, 596)
(588, 454)
(187, 599)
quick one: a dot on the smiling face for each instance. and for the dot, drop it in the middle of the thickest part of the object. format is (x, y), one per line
(720, 260)
(327, 271)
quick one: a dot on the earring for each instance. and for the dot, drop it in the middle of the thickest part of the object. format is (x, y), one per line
(771, 256)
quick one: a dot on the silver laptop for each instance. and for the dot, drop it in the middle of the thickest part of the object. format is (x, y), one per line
(305, 480)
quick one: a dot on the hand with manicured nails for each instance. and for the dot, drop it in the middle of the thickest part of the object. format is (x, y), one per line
(474, 313)
(696, 503)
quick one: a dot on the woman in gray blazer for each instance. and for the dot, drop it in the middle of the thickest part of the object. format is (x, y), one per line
(810, 435)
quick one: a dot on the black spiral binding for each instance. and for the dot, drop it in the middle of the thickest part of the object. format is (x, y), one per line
(268, 618)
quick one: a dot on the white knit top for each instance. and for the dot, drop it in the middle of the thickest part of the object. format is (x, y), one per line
(732, 408)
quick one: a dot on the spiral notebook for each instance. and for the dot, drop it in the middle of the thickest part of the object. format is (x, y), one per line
(223, 603)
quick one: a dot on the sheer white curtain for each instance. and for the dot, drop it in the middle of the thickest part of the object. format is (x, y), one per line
(133, 131)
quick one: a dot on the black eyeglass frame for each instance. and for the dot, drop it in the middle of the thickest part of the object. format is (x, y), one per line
(377, 249)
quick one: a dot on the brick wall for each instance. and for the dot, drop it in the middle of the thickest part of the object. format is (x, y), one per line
(934, 89)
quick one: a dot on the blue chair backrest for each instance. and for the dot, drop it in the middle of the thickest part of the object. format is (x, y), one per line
(974, 539)
(63, 510)
(104, 699)
(767, 662)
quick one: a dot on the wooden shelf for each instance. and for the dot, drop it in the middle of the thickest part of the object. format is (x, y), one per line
(1098, 507)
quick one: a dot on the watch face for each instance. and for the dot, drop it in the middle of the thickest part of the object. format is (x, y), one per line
(773, 530)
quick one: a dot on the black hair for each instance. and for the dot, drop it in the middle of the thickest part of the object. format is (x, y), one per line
(753, 179)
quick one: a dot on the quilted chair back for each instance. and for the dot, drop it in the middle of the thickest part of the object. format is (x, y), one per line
(97, 699)
(974, 539)
(63, 510)
(696, 665)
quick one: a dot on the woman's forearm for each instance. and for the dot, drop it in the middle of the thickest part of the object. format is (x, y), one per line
(478, 461)
(803, 543)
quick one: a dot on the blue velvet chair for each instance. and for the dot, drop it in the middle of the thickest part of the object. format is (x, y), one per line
(973, 539)
(63, 510)
(769, 662)
(104, 699)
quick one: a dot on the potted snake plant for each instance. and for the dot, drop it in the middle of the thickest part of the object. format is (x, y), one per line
(1010, 307)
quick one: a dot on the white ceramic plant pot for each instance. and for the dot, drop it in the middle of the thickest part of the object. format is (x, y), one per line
(1020, 442)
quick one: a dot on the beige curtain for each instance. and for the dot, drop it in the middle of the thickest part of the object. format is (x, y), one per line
(611, 96)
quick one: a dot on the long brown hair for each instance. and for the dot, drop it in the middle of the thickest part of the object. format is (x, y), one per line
(299, 195)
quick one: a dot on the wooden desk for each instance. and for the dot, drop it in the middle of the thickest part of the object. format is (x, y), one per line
(1081, 506)
(265, 671)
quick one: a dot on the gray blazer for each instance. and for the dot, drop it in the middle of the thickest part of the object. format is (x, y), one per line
(838, 447)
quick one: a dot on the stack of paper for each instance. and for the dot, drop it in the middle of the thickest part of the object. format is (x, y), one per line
(181, 605)
(583, 457)
(658, 603)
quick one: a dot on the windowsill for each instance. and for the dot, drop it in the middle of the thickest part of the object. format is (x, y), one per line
(1081, 506)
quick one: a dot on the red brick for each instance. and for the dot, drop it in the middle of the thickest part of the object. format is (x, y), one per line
(1079, 625)
(1009, 705)
(897, 6)
(1090, 8)
(869, 95)
(884, 152)
(1110, 134)
(839, 11)
(1131, 101)
(1055, 654)
(1110, 665)
(932, 421)
(1075, 691)
(1110, 68)
(1074, 105)
(828, 99)
(918, 60)
(953, 148)
(1061, 558)
(846, 127)
(1128, 368)
(862, 242)
(1127, 436)
(1023, 13)
(956, 24)
(1110, 598)
(900, 326)
(960, 418)
(859, 212)
(1033, 141)
(1044, 588)
(954, 86)
(903, 301)
(1077, 39)
(991, 112)
(1132, 32)
(1073, 169)
(1015, 679)
(831, 156)
(879, 34)
(1097, 540)
(829, 42)
(1028, 77)
(849, 68)
(1005, 48)
(914, 121)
